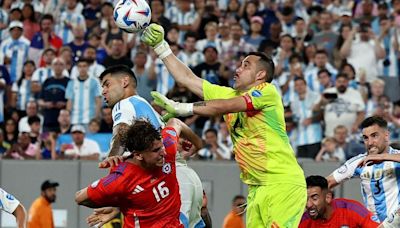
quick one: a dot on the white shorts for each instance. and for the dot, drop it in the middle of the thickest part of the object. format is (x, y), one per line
(191, 191)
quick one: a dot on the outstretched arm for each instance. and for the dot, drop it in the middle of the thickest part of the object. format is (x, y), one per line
(331, 182)
(21, 216)
(82, 198)
(119, 132)
(184, 131)
(204, 108)
(153, 36)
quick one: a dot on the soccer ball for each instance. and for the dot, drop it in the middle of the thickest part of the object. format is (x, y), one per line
(132, 15)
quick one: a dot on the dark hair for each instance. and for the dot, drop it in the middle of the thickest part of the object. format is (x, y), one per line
(212, 130)
(82, 59)
(140, 136)
(118, 69)
(295, 56)
(32, 17)
(266, 63)
(287, 10)
(324, 71)
(47, 17)
(340, 39)
(107, 4)
(374, 120)
(300, 79)
(91, 47)
(237, 197)
(190, 34)
(342, 75)
(317, 181)
(349, 65)
(33, 119)
(19, 82)
(161, 1)
(321, 51)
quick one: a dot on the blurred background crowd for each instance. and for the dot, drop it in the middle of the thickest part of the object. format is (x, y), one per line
(333, 58)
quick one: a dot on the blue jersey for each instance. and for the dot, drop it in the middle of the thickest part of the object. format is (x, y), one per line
(135, 107)
(8, 202)
(380, 183)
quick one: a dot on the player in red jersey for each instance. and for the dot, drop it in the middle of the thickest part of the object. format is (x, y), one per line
(144, 186)
(324, 211)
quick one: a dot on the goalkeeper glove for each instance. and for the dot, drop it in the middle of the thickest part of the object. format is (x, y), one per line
(153, 36)
(174, 108)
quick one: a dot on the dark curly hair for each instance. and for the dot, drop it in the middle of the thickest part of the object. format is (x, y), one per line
(141, 135)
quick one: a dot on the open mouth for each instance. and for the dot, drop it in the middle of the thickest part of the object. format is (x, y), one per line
(313, 213)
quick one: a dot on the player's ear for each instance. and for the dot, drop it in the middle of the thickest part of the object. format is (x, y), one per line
(261, 75)
(329, 196)
(125, 82)
(138, 156)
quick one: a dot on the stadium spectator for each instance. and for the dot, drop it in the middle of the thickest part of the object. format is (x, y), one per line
(157, 14)
(309, 129)
(189, 55)
(34, 126)
(234, 219)
(40, 212)
(185, 17)
(145, 84)
(349, 145)
(23, 149)
(21, 89)
(64, 122)
(14, 51)
(283, 53)
(4, 146)
(344, 32)
(52, 96)
(78, 43)
(116, 55)
(31, 25)
(372, 104)
(286, 16)
(363, 52)
(107, 10)
(255, 37)
(92, 15)
(106, 124)
(380, 197)
(12, 205)
(69, 18)
(83, 96)
(67, 55)
(211, 38)
(93, 126)
(10, 131)
(31, 110)
(95, 69)
(341, 105)
(213, 150)
(208, 11)
(44, 39)
(326, 38)
(330, 151)
(81, 148)
(113, 32)
(94, 40)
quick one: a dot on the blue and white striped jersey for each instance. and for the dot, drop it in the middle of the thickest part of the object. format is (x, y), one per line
(8, 202)
(4, 20)
(17, 52)
(133, 107)
(42, 73)
(165, 81)
(23, 92)
(83, 96)
(312, 133)
(64, 32)
(380, 183)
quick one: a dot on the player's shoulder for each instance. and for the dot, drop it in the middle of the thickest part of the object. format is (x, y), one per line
(351, 206)
(262, 89)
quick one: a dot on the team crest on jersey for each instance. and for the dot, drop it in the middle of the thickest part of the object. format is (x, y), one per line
(10, 197)
(342, 169)
(256, 93)
(167, 168)
(117, 116)
(94, 184)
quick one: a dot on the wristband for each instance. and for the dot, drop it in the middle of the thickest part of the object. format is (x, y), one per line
(162, 49)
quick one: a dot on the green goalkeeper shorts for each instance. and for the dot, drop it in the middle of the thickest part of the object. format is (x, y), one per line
(277, 205)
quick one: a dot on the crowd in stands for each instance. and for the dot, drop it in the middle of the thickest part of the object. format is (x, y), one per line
(330, 58)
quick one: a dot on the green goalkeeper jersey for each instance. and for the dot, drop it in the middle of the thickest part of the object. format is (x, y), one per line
(260, 143)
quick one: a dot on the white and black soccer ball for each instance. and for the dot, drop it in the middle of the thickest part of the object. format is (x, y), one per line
(132, 15)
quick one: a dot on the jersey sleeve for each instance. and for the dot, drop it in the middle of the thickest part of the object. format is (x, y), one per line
(212, 91)
(261, 97)
(348, 169)
(8, 202)
(123, 112)
(69, 91)
(170, 140)
(109, 190)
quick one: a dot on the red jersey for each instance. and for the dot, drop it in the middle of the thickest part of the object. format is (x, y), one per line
(346, 213)
(146, 198)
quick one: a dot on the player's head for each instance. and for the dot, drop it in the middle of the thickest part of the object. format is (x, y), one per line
(375, 135)
(118, 82)
(255, 69)
(239, 204)
(143, 140)
(318, 196)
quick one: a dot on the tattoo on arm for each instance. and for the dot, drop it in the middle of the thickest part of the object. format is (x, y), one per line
(200, 103)
(118, 139)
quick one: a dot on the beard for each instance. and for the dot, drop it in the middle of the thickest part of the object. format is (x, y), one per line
(341, 89)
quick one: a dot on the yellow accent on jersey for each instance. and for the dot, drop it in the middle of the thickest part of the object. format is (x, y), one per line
(260, 142)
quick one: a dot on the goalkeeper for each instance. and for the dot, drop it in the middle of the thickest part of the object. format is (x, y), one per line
(253, 112)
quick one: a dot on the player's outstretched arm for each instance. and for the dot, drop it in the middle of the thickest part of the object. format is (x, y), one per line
(203, 108)
(21, 216)
(119, 133)
(331, 182)
(153, 36)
